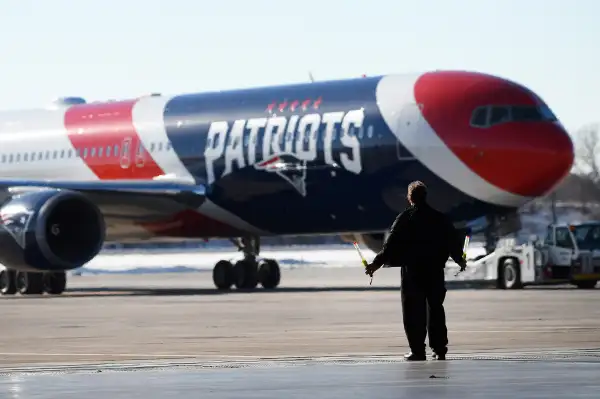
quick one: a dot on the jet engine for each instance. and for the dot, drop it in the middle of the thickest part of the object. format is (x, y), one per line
(49, 230)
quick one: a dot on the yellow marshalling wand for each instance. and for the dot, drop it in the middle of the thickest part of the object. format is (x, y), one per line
(465, 247)
(362, 258)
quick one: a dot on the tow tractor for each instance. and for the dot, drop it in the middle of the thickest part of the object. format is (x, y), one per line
(569, 254)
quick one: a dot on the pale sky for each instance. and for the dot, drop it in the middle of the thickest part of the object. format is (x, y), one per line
(114, 49)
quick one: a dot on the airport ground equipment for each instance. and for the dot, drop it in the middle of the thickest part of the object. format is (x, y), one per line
(568, 254)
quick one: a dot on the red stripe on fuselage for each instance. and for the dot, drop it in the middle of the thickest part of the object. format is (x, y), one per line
(105, 138)
(190, 224)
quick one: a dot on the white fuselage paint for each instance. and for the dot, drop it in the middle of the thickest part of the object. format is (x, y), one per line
(34, 145)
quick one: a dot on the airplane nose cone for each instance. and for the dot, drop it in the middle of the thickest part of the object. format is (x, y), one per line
(536, 167)
(499, 130)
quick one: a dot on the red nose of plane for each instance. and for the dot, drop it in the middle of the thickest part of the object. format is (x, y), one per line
(500, 130)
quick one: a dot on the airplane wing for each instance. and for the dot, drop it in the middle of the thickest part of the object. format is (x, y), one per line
(16, 186)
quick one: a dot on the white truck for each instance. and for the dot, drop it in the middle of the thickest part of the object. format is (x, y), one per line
(569, 254)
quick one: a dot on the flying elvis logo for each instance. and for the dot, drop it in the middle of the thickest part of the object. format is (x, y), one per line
(289, 168)
(287, 144)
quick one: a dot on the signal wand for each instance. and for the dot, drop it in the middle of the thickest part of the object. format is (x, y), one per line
(465, 246)
(362, 258)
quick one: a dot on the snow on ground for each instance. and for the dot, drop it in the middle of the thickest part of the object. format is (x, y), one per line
(192, 261)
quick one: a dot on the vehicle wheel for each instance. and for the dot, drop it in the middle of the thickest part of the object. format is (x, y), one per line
(30, 283)
(246, 274)
(586, 285)
(223, 275)
(269, 274)
(7, 282)
(510, 278)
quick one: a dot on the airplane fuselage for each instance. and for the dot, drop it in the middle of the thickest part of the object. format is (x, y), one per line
(319, 158)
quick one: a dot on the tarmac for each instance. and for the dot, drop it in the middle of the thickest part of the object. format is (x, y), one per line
(325, 334)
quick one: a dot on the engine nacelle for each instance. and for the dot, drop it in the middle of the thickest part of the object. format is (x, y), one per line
(49, 230)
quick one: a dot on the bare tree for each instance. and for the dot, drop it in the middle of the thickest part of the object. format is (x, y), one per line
(587, 148)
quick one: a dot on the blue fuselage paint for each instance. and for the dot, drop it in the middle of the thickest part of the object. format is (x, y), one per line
(322, 192)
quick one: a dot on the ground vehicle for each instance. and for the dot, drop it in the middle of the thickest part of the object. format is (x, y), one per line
(570, 253)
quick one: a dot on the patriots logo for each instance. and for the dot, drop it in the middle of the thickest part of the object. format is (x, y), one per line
(288, 167)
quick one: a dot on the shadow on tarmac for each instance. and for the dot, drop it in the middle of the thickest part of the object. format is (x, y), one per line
(124, 291)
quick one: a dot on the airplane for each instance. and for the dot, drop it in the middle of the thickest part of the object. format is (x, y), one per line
(314, 158)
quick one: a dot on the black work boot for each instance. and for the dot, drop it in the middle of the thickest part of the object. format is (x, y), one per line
(411, 356)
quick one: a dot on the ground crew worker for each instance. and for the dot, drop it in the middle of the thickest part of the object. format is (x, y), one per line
(420, 241)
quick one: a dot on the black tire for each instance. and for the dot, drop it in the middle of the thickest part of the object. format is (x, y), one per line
(586, 285)
(55, 283)
(269, 273)
(7, 282)
(223, 275)
(30, 283)
(510, 277)
(246, 274)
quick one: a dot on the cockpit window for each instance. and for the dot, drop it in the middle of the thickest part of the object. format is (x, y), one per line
(523, 113)
(547, 114)
(479, 117)
(499, 114)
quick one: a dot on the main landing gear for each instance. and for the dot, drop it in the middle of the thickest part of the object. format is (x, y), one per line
(248, 272)
(32, 283)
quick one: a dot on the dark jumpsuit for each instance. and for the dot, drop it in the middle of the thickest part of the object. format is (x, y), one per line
(420, 242)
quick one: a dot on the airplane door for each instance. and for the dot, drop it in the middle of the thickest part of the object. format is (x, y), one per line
(126, 153)
(139, 155)
(409, 123)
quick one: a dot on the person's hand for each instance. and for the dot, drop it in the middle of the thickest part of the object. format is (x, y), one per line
(371, 268)
(463, 265)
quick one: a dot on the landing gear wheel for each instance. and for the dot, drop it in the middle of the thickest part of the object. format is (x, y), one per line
(7, 282)
(269, 273)
(223, 275)
(55, 283)
(246, 274)
(510, 276)
(30, 283)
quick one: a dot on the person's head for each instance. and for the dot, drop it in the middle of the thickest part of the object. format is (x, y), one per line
(417, 193)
